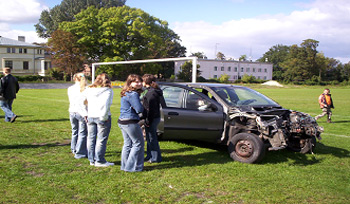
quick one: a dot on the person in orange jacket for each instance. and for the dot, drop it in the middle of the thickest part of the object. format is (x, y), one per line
(326, 103)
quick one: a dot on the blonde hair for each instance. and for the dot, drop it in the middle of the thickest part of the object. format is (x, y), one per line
(102, 80)
(80, 77)
(127, 87)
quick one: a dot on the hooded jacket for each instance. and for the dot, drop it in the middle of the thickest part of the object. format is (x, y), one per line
(99, 102)
(152, 102)
(9, 87)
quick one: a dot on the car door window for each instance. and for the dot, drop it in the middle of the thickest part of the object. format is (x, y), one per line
(172, 96)
(194, 101)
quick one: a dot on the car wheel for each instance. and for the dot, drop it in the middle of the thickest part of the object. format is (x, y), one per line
(246, 148)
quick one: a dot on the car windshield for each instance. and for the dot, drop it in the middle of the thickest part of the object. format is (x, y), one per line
(242, 96)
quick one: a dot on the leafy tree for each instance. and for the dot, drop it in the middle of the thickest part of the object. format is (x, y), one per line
(248, 78)
(220, 56)
(276, 55)
(224, 78)
(66, 53)
(243, 58)
(49, 19)
(124, 33)
(199, 55)
(186, 71)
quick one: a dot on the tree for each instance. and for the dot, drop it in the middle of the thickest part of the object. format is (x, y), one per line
(199, 55)
(50, 19)
(123, 33)
(224, 78)
(66, 53)
(243, 58)
(220, 56)
(186, 71)
(276, 55)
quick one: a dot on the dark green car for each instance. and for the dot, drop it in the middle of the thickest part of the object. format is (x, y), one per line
(245, 120)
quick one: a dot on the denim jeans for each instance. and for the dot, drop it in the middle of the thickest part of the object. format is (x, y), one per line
(79, 134)
(153, 149)
(132, 157)
(98, 132)
(6, 106)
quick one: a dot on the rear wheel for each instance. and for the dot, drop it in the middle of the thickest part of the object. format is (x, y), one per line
(246, 148)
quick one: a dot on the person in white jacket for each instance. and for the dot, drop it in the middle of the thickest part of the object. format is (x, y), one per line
(99, 97)
(79, 129)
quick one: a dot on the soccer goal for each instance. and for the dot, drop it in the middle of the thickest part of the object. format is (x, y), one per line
(194, 64)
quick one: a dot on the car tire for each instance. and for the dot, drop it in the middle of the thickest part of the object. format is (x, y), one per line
(246, 148)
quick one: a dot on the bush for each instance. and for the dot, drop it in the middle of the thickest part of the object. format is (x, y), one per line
(30, 78)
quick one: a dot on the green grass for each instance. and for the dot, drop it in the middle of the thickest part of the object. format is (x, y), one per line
(36, 165)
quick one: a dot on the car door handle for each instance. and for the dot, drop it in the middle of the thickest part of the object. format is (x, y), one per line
(173, 113)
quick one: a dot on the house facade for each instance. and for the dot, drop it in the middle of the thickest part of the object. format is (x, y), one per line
(213, 69)
(23, 58)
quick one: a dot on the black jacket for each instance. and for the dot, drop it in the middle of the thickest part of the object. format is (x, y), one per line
(9, 87)
(151, 103)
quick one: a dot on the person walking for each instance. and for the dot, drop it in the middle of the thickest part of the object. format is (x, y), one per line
(99, 97)
(326, 103)
(8, 89)
(132, 156)
(151, 103)
(78, 123)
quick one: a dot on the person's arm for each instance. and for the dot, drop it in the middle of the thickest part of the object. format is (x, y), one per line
(135, 102)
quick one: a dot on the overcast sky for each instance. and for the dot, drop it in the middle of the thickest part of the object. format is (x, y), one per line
(233, 27)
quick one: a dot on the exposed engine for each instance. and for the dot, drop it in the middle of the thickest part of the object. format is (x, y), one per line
(279, 128)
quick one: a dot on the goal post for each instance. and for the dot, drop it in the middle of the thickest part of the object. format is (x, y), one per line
(194, 64)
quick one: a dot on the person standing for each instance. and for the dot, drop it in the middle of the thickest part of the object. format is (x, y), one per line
(151, 103)
(99, 97)
(326, 103)
(78, 123)
(8, 89)
(132, 156)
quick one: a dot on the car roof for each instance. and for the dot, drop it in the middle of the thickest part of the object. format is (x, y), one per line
(197, 85)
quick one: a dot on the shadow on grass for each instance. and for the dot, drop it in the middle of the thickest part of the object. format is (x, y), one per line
(34, 145)
(41, 121)
(18, 116)
(341, 121)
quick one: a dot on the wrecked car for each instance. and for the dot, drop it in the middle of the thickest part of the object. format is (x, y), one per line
(245, 120)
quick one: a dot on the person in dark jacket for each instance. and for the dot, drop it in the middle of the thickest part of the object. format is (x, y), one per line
(8, 89)
(152, 101)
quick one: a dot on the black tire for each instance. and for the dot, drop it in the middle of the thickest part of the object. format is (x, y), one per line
(246, 148)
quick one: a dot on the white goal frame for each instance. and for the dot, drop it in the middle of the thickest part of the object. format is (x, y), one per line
(194, 64)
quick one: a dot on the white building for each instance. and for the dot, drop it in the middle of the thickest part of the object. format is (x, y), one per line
(234, 69)
(23, 58)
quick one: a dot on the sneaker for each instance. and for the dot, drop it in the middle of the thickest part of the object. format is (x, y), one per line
(13, 119)
(92, 164)
(97, 164)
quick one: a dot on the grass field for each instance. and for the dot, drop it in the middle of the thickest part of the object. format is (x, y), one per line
(36, 165)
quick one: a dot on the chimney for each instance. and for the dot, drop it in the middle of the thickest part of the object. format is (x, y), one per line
(22, 38)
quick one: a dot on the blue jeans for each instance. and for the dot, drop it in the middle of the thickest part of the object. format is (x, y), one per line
(79, 134)
(97, 139)
(6, 106)
(153, 149)
(133, 148)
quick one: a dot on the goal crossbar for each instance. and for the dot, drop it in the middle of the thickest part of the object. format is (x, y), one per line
(194, 64)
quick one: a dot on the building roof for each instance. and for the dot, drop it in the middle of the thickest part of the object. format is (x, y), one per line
(10, 42)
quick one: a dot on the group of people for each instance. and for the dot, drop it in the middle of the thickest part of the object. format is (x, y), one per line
(90, 118)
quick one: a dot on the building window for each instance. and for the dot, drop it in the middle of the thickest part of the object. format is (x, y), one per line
(20, 50)
(258, 77)
(25, 50)
(222, 68)
(242, 69)
(13, 50)
(8, 50)
(259, 70)
(25, 65)
(236, 69)
(9, 64)
(39, 51)
(265, 70)
(215, 76)
(248, 69)
(47, 65)
(253, 69)
(229, 69)
(215, 68)
(265, 77)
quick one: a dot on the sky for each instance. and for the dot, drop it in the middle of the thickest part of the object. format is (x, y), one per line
(233, 27)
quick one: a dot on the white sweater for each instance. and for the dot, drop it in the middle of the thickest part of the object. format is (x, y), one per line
(74, 96)
(99, 102)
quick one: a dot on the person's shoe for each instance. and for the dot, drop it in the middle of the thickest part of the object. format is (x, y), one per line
(97, 164)
(13, 119)
(329, 121)
(92, 164)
